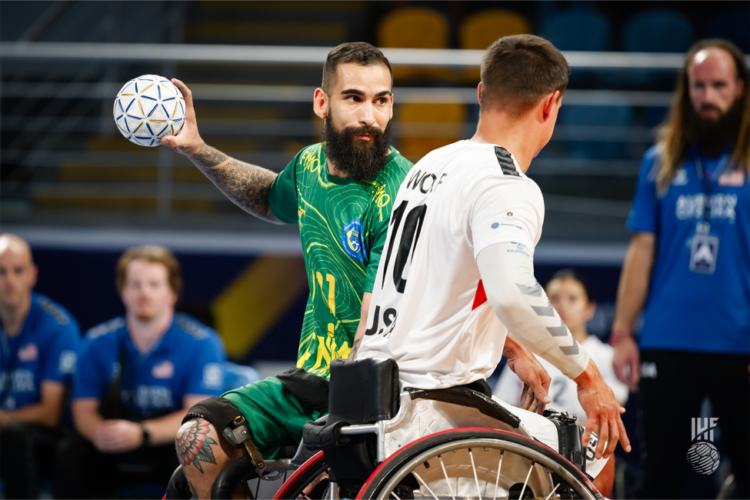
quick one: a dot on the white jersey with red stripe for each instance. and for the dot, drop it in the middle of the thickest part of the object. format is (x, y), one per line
(428, 309)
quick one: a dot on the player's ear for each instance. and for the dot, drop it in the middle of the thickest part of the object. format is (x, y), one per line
(321, 103)
(34, 274)
(479, 93)
(549, 103)
(740, 88)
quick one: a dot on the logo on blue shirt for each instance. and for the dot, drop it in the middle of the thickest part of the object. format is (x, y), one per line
(351, 240)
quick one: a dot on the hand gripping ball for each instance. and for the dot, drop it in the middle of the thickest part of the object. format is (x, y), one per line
(148, 108)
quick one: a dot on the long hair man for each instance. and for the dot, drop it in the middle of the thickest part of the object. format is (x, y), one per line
(688, 268)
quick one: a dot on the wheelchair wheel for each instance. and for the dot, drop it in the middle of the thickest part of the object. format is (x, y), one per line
(294, 487)
(477, 463)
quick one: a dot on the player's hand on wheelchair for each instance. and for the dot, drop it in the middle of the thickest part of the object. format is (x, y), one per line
(602, 413)
(187, 141)
(536, 380)
(118, 436)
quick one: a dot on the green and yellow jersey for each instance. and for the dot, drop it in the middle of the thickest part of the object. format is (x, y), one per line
(343, 225)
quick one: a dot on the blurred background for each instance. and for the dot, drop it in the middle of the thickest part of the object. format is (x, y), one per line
(80, 193)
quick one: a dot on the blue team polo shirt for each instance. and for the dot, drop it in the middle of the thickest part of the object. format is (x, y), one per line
(188, 359)
(685, 310)
(45, 350)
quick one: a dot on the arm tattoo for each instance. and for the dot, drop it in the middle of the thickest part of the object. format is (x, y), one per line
(246, 185)
(194, 444)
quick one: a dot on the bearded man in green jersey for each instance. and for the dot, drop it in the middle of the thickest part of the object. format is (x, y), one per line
(340, 192)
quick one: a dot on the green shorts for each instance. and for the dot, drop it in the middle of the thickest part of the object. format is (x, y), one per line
(275, 415)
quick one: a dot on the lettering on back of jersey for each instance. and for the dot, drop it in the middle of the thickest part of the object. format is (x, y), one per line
(505, 159)
(425, 182)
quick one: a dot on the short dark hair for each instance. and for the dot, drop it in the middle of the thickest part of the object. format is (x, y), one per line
(361, 53)
(572, 274)
(517, 71)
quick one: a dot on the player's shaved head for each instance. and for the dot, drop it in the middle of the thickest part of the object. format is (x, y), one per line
(17, 272)
(361, 53)
(517, 71)
(11, 243)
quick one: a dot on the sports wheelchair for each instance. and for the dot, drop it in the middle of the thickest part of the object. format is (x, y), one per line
(380, 442)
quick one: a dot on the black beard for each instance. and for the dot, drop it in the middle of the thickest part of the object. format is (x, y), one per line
(714, 135)
(358, 159)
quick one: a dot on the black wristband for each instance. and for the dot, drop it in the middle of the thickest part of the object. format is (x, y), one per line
(146, 435)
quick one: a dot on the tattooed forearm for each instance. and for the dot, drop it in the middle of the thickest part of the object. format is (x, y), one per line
(245, 184)
(194, 444)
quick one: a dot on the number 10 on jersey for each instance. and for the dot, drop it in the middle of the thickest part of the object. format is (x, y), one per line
(413, 222)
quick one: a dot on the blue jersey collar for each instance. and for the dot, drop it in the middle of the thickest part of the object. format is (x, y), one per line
(162, 343)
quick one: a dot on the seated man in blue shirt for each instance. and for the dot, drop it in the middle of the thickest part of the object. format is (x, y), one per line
(137, 376)
(38, 340)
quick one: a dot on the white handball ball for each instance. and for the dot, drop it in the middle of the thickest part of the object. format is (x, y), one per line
(148, 108)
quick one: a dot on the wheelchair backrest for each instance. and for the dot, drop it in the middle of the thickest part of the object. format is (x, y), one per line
(363, 391)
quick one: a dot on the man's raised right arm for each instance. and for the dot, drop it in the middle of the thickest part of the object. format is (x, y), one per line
(245, 184)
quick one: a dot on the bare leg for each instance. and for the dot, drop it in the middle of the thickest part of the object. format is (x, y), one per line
(603, 481)
(204, 454)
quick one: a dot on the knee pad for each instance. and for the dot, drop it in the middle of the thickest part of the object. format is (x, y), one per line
(228, 421)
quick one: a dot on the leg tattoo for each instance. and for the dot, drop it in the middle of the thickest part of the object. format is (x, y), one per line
(192, 491)
(194, 444)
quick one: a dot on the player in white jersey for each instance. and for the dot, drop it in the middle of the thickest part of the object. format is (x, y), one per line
(571, 297)
(457, 270)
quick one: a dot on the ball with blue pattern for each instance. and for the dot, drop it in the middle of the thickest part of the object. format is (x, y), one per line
(148, 108)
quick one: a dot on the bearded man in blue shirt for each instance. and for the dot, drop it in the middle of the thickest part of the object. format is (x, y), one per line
(688, 267)
(38, 342)
(137, 376)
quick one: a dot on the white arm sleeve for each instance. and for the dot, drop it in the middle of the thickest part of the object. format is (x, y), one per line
(522, 306)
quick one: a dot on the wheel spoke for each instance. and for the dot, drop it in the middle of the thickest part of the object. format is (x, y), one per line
(476, 480)
(528, 475)
(453, 469)
(453, 495)
(497, 479)
(425, 485)
(553, 491)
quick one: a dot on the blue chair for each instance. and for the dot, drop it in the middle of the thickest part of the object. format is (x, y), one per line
(658, 30)
(576, 29)
(614, 120)
(238, 375)
(732, 26)
(654, 30)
